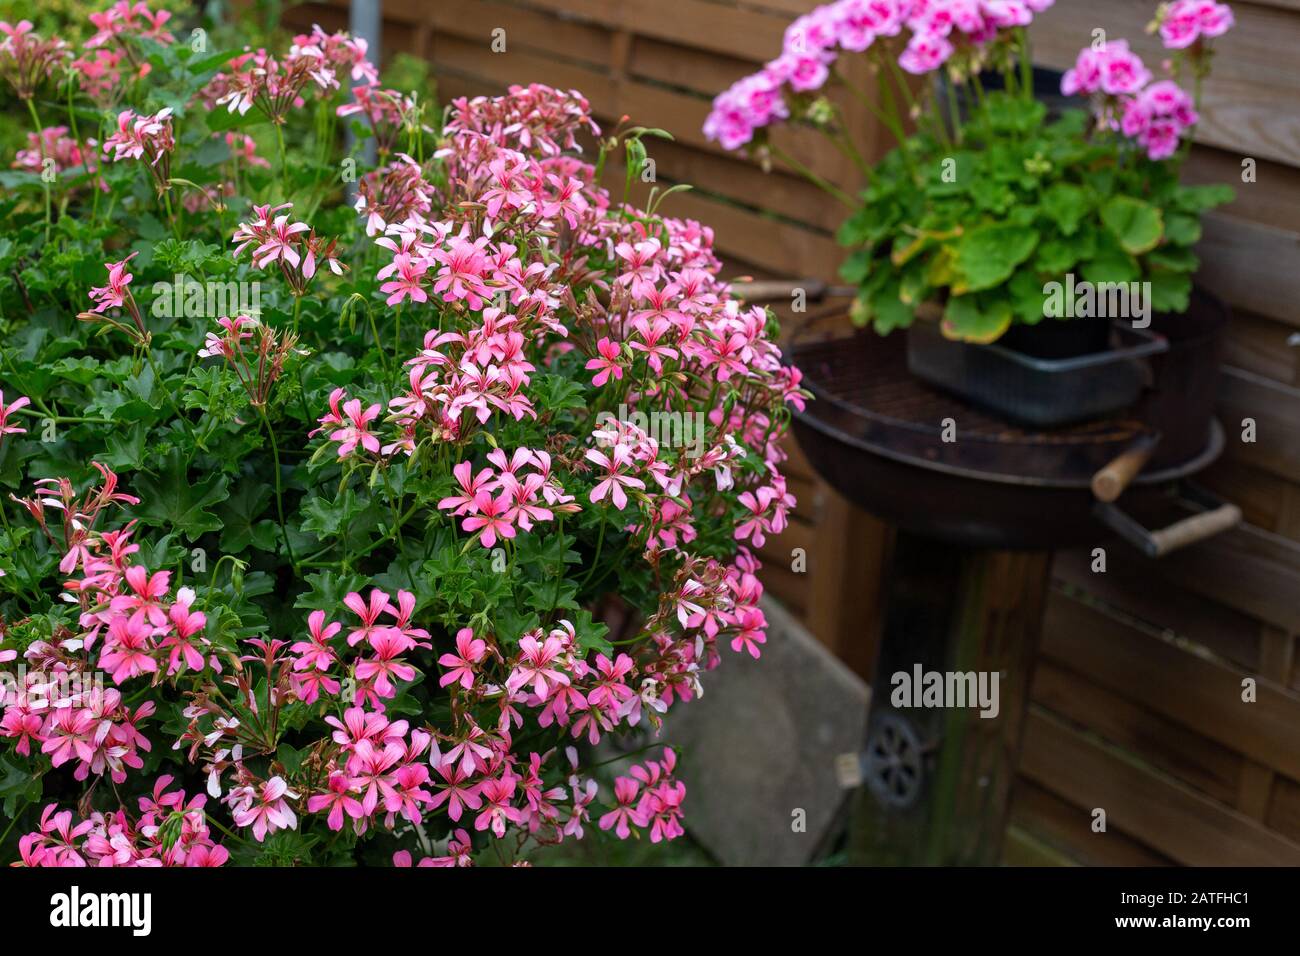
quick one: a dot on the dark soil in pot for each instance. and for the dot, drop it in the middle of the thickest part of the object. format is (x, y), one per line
(1058, 338)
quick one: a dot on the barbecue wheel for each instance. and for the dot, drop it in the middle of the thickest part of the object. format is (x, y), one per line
(894, 761)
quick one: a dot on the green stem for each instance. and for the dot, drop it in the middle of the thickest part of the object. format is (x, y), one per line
(954, 112)
(1026, 64)
(171, 216)
(279, 490)
(238, 839)
(171, 400)
(600, 544)
(813, 177)
(888, 116)
(40, 138)
(279, 139)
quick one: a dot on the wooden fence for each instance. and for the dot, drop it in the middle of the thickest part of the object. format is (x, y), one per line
(1137, 704)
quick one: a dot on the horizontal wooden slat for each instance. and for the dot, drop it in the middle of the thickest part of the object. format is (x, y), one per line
(1259, 345)
(1065, 827)
(1173, 818)
(525, 29)
(1284, 808)
(1254, 571)
(1275, 409)
(705, 73)
(719, 28)
(1130, 585)
(1251, 265)
(1194, 691)
(1272, 199)
(1079, 697)
(1258, 493)
(612, 97)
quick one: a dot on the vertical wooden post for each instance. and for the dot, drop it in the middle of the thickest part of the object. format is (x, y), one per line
(939, 779)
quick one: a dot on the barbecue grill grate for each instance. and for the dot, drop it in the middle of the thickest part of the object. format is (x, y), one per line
(864, 393)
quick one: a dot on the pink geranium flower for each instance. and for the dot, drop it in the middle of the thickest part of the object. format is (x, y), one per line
(606, 363)
(1183, 22)
(625, 815)
(925, 53)
(409, 273)
(264, 809)
(614, 480)
(6, 428)
(470, 650)
(339, 800)
(356, 429)
(491, 518)
(113, 295)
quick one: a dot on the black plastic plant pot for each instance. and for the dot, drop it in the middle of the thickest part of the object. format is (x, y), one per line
(1028, 390)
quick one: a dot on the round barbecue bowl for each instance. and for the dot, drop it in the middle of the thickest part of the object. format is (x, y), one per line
(928, 463)
(972, 509)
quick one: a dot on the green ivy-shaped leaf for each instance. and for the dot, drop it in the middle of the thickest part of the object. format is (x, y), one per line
(327, 589)
(172, 500)
(239, 513)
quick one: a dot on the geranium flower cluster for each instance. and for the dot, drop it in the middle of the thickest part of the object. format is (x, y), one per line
(109, 58)
(27, 60)
(53, 143)
(382, 708)
(258, 367)
(392, 194)
(71, 720)
(1155, 113)
(386, 111)
(115, 297)
(669, 332)
(376, 771)
(169, 831)
(294, 246)
(100, 74)
(939, 29)
(56, 701)
(1184, 22)
(135, 19)
(492, 503)
(275, 85)
(145, 137)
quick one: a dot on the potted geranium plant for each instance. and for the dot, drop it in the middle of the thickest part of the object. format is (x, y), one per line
(335, 551)
(989, 215)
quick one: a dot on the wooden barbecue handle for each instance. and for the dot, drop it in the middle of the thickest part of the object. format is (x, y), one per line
(1195, 528)
(1109, 483)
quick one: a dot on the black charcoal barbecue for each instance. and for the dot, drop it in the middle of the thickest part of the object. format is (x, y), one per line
(979, 504)
(934, 465)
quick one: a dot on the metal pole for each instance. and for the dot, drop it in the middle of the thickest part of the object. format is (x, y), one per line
(365, 21)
